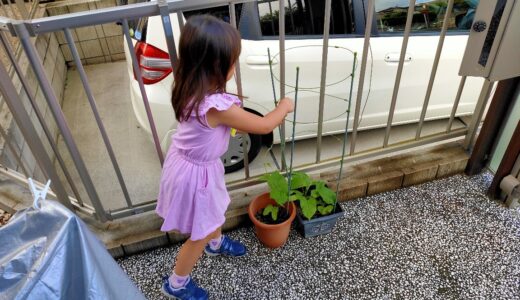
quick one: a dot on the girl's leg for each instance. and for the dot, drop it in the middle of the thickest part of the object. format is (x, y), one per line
(190, 253)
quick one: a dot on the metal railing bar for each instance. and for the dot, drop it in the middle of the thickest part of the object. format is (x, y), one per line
(23, 121)
(368, 30)
(456, 103)
(113, 14)
(180, 19)
(93, 106)
(238, 78)
(137, 71)
(16, 68)
(281, 38)
(52, 101)
(141, 208)
(168, 32)
(362, 155)
(17, 157)
(434, 68)
(479, 111)
(324, 58)
(407, 29)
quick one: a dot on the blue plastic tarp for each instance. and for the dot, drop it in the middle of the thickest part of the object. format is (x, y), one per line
(49, 253)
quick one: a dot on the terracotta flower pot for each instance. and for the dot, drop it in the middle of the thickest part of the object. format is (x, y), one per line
(272, 236)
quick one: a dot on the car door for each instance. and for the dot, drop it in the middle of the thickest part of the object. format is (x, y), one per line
(303, 48)
(386, 45)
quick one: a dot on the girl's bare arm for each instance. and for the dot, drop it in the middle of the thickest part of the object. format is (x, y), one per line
(245, 121)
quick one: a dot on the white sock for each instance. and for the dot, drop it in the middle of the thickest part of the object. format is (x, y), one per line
(214, 244)
(177, 281)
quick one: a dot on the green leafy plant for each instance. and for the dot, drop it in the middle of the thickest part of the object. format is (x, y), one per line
(313, 196)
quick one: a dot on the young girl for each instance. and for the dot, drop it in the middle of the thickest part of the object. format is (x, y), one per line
(192, 196)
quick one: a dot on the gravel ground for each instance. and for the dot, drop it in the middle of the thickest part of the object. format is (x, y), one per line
(440, 240)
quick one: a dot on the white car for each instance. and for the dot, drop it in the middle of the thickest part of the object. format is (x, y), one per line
(258, 25)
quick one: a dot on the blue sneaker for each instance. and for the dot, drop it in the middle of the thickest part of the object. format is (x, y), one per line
(191, 291)
(228, 247)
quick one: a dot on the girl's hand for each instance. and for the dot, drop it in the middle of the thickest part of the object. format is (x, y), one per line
(287, 103)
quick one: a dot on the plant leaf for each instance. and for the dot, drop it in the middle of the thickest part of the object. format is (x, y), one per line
(278, 186)
(325, 210)
(308, 206)
(271, 209)
(299, 180)
(326, 194)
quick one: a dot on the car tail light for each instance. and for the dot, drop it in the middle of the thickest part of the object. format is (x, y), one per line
(154, 63)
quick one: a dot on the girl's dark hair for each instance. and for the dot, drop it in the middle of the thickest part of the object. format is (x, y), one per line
(208, 48)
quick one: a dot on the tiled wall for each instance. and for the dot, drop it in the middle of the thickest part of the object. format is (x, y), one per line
(56, 69)
(95, 44)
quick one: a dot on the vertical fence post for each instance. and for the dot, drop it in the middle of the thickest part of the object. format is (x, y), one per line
(93, 106)
(456, 103)
(32, 55)
(407, 29)
(434, 68)
(324, 57)
(368, 30)
(137, 71)
(238, 78)
(168, 32)
(31, 136)
(281, 34)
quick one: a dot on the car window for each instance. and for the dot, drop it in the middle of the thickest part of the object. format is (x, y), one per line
(138, 28)
(221, 12)
(428, 15)
(305, 17)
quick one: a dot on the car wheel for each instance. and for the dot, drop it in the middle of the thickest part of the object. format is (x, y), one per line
(233, 159)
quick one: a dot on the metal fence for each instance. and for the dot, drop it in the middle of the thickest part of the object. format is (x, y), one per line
(25, 30)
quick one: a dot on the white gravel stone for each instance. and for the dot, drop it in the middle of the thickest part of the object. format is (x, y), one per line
(440, 240)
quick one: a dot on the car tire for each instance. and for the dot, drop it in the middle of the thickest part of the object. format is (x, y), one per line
(233, 159)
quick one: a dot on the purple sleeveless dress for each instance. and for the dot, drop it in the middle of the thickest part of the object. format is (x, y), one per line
(192, 194)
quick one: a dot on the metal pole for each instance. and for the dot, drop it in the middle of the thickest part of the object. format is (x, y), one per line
(137, 72)
(407, 29)
(16, 156)
(368, 29)
(346, 129)
(456, 103)
(39, 71)
(40, 116)
(23, 121)
(293, 129)
(281, 31)
(477, 115)
(93, 106)
(434, 68)
(238, 79)
(168, 32)
(325, 52)
(180, 19)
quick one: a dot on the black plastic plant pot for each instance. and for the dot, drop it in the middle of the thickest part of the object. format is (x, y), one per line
(320, 225)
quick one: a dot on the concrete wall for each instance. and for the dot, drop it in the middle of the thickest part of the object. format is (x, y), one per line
(53, 61)
(95, 44)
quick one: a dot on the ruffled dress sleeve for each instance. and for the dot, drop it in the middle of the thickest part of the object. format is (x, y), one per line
(220, 102)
